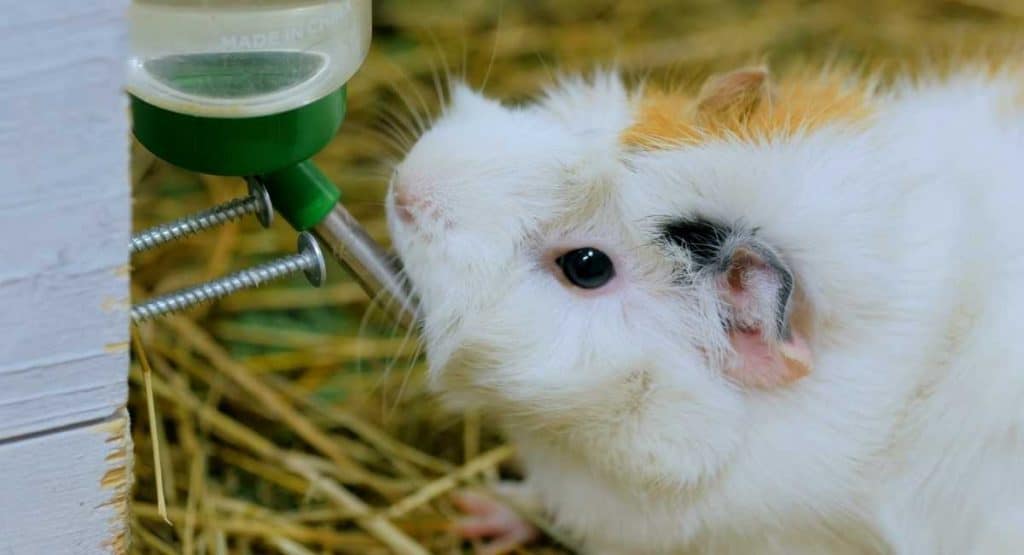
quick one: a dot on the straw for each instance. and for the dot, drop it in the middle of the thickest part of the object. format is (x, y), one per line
(153, 424)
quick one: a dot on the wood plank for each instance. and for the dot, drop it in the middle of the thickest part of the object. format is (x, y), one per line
(67, 492)
(65, 214)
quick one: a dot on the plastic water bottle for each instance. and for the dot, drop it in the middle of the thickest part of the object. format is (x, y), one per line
(243, 58)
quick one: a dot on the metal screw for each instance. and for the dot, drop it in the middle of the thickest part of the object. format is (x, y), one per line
(309, 260)
(258, 202)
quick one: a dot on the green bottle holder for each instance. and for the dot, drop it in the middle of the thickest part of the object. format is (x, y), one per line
(274, 148)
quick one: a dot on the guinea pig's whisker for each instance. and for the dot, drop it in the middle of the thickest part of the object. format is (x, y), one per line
(389, 367)
(415, 117)
(395, 142)
(427, 120)
(397, 128)
(421, 118)
(416, 352)
(549, 73)
(444, 62)
(406, 374)
(402, 119)
(378, 303)
(382, 136)
(465, 59)
(494, 47)
(362, 203)
(373, 307)
(397, 145)
(442, 100)
(361, 331)
(386, 167)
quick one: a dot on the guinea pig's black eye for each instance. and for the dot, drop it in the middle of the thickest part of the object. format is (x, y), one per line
(587, 268)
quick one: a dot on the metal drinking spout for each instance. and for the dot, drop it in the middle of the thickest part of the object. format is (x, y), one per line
(371, 267)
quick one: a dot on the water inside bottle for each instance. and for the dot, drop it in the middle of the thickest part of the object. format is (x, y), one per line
(235, 75)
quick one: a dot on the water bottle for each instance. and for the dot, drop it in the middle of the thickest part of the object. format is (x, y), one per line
(243, 58)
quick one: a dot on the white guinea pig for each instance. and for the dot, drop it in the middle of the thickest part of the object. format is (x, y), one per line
(774, 316)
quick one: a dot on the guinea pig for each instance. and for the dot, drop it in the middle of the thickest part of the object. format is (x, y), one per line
(774, 315)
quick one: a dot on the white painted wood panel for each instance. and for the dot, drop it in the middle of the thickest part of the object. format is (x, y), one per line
(65, 214)
(67, 492)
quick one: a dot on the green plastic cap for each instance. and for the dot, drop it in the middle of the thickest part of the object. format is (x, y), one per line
(302, 194)
(239, 146)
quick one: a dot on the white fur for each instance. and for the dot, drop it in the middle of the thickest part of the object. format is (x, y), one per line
(905, 237)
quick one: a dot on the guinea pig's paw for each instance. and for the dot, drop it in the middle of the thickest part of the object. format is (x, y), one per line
(490, 519)
(518, 494)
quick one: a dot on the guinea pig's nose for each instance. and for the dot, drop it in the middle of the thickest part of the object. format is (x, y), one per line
(414, 201)
(404, 204)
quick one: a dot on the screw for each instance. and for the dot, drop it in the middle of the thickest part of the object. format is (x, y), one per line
(257, 202)
(309, 260)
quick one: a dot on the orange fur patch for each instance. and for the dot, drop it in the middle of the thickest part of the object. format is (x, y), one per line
(666, 120)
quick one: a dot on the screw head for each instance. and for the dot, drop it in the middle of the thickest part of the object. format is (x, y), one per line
(265, 213)
(317, 273)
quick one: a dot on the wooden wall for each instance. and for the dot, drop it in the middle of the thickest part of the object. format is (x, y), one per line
(65, 213)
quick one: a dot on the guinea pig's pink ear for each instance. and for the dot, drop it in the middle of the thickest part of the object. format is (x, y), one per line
(737, 93)
(757, 288)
